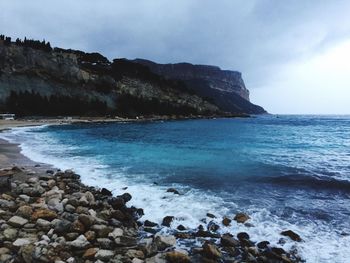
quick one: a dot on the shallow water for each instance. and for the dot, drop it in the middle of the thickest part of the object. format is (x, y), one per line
(287, 172)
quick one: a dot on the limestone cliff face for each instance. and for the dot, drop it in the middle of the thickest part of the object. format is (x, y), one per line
(68, 82)
(225, 88)
(222, 80)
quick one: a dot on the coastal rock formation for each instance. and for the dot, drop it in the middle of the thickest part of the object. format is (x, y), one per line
(38, 80)
(97, 227)
(225, 88)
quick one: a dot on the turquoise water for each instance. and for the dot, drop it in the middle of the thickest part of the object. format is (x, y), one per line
(287, 172)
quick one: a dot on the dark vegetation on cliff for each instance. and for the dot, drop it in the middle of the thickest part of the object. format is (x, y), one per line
(36, 79)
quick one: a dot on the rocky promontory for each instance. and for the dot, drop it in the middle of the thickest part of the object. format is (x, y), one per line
(38, 80)
(52, 217)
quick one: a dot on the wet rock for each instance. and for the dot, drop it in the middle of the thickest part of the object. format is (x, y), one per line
(202, 233)
(241, 218)
(106, 192)
(104, 254)
(181, 228)
(126, 197)
(184, 235)
(167, 221)
(213, 227)
(117, 202)
(278, 250)
(173, 190)
(177, 257)
(149, 223)
(17, 221)
(263, 244)
(211, 215)
(228, 241)
(80, 243)
(243, 235)
(24, 211)
(226, 221)
(44, 214)
(211, 251)
(292, 235)
(163, 242)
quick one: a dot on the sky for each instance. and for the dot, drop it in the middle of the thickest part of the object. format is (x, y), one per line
(294, 55)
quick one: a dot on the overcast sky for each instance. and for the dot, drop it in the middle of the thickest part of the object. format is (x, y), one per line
(294, 55)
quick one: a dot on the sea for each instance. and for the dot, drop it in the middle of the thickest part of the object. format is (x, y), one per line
(287, 172)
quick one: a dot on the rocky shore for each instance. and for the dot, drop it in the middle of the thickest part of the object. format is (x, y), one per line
(52, 217)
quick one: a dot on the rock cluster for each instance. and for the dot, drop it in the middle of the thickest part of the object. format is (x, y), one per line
(55, 218)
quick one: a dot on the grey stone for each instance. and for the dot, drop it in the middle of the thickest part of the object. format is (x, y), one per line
(17, 221)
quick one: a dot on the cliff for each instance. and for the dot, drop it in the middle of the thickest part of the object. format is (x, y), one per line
(225, 88)
(38, 80)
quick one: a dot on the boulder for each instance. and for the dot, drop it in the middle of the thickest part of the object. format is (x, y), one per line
(87, 220)
(243, 235)
(24, 211)
(17, 221)
(55, 204)
(292, 235)
(106, 192)
(134, 253)
(80, 242)
(21, 242)
(10, 233)
(126, 197)
(117, 232)
(104, 254)
(44, 214)
(211, 251)
(90, 253)
(149, 223)
(163, 242)
(173, 190)
(226, 221)
(167, 221)
(78, 227)
(211, 215)
(241, 218)
(43, 224)
(177, 257)
(228, 241)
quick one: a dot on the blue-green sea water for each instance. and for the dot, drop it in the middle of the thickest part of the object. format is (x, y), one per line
(286, 172)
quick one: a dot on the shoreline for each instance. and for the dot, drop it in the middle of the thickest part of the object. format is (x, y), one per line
(155, 247)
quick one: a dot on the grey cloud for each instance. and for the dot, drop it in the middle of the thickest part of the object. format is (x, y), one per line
(255, 37)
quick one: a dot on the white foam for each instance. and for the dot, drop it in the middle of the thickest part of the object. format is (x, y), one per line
(320, 242)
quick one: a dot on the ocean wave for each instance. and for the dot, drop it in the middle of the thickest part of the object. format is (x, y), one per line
(310, 181)
(321, 242)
